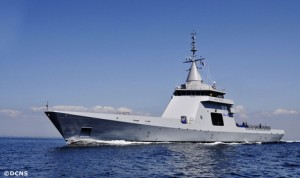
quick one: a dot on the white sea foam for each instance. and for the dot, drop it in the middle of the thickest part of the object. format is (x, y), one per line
(222, 143)
(93, 142)
(290, 141)
(251, 143)
(231, 143)
(213, 143)
(234, 143)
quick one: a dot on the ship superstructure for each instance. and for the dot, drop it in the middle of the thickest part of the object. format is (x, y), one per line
(197, 112)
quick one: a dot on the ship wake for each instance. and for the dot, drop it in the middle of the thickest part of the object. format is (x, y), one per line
(93, 142)
(231, 143)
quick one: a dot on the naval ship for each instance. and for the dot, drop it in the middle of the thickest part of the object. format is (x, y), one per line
(197, 112)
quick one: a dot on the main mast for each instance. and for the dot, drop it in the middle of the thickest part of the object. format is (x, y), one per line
(194, 78)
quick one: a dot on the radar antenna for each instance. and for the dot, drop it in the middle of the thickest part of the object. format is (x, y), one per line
(194, 50)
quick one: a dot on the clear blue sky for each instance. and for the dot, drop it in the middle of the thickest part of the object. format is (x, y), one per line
(130, 53)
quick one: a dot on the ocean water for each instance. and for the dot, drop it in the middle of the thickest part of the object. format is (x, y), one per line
(35, 157)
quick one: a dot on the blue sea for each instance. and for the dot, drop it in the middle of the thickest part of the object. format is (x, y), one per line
(43, 157)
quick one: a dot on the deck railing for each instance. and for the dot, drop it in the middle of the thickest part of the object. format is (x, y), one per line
(254, 127)
(258, 127)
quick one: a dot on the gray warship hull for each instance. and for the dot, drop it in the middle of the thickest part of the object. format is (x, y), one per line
(76, 127)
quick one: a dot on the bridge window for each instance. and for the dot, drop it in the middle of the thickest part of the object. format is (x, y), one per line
(217, 119)
(198, 93)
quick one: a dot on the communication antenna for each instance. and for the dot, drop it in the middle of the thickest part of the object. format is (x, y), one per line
(47, 105)
(194, 50)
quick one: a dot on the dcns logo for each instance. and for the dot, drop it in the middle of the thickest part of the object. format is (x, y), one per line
(16, 173)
